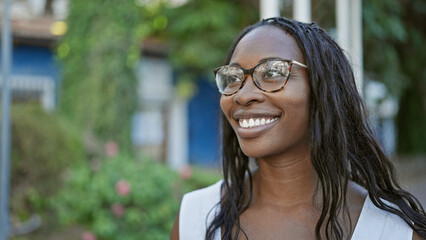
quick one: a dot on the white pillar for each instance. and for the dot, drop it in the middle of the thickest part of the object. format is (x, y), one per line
(349, 35)
(177, 145)
(302, 10)
(47, 97)
(343, 24)
(356, 33)
(269, 8)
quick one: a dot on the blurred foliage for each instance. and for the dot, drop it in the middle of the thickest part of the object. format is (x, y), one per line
(201, 31)
(98, 55)
(324, 13)
(383, 30)
(412, 113)
(411, 123)
(395, 53)
(43, 146)
(102, 47)
(123, 198)
(147, 208)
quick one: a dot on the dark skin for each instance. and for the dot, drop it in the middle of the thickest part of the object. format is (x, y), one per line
(284, 205)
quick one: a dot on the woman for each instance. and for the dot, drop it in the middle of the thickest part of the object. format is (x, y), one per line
(289, 101)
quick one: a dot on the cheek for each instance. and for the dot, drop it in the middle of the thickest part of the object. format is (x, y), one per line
(296, 110)
(226, 105)
(299, 105)
(298, 98)
(298, 116)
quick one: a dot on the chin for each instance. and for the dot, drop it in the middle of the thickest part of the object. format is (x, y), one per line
(272, 149)
(255, 150)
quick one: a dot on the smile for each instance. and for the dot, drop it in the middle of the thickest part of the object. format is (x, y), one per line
(255, 122)
(252, 127)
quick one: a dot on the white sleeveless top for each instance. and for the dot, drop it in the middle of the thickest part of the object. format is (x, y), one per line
(199, 207)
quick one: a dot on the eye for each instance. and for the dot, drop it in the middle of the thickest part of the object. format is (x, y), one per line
(232, 79)
(272, 70)
(231, 74)
(273, 73)
(229, 78)
(235, 78)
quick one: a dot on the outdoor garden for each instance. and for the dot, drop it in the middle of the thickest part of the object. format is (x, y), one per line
(74, 172)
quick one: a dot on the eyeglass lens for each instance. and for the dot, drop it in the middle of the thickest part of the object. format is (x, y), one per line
(268, 76)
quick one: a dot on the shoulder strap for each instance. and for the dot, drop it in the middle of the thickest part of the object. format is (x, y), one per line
(377, 224)
(197, 210)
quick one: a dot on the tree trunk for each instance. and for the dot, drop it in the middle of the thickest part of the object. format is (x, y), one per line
(48, 9)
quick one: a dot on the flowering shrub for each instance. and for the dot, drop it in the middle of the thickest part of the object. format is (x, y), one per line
(43, 145)
(111, 149)
(119, 198)
(122, 187)
(88, 236)
(185, 172)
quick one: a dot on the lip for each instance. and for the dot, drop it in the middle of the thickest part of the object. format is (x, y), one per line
(253, 132)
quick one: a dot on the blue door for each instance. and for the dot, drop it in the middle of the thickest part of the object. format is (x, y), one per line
(203, 120)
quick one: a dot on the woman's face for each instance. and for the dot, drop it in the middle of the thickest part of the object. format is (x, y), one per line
(288, 134)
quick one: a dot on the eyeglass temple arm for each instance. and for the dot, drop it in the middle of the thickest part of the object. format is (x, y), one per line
(298, 63)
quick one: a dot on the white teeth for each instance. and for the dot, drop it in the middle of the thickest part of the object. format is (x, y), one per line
(257, 122)
(251, 122)
(254, 122)
(245, 124)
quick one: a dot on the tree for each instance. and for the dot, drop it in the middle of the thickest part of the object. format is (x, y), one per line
(98, 56)
(201, 31)
(394, 53)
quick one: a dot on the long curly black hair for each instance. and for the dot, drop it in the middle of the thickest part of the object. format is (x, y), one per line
(342, 145)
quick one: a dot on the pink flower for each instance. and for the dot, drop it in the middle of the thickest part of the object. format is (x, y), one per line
(123, 187)
(111, 149)
(118, 210)
(185, 172)
(88, 236)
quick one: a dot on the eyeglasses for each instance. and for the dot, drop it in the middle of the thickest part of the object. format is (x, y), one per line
(269, 75)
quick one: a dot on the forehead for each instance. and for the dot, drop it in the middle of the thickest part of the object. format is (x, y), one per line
(263, 42)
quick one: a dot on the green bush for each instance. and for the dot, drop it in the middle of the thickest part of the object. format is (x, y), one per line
(43, 145)
(120, 198)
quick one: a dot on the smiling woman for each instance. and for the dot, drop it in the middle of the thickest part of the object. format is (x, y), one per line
(289, 100)
(287, 109)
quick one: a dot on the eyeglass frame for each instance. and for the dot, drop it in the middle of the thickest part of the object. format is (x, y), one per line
(251, 71)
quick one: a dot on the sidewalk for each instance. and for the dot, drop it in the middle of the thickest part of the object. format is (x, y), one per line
(412, 174)
(418, 188)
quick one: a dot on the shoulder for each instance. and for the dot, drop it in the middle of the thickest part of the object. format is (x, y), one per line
(375, 223)
(198, 203)
(197, 210)
(212, 191)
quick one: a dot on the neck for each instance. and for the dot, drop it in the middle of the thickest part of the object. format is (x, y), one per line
(288, 183)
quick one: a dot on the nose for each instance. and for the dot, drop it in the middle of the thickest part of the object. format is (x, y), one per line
(249, 93)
